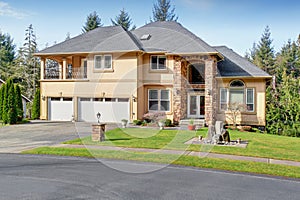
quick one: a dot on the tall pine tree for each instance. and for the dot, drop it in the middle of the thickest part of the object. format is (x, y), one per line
(124, 20)
(11, 103)
(19, 104)
(28, 66)
(92, 21)
(36, 105)
(1, 99)
(162, 11)
(262, 54)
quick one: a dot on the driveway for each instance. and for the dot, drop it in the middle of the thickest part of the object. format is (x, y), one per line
(16, 138)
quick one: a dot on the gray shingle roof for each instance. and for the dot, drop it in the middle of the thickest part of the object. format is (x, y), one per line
(235, 65)
(102, 39)
(171, 37)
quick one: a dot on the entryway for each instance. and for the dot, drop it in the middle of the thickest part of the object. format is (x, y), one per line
(196, 106)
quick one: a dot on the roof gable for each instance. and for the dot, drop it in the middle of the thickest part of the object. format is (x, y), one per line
(235, 65)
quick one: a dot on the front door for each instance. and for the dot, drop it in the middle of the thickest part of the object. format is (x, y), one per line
(196, 106)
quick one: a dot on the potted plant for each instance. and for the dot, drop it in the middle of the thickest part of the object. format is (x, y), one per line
(124, 123)
(191, 125)
(161, 123)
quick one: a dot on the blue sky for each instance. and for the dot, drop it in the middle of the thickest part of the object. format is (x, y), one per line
(235, 23)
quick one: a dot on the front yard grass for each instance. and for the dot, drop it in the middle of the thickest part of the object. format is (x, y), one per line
(260, 145)
(223, 164)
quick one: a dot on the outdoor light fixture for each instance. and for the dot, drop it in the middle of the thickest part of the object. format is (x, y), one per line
(43, 97)
(208, 92)
(134, 98)
(98, 117)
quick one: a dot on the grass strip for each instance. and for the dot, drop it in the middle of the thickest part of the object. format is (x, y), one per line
(222, 164)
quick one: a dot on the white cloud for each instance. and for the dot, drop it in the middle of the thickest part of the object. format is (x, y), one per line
(7, 10)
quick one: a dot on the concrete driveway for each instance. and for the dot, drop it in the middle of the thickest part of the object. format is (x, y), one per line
(16, 138)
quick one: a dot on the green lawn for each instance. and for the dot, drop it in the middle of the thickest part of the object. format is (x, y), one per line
(260, 145)
(223, 164)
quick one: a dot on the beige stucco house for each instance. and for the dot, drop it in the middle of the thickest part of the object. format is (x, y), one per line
(160, 67)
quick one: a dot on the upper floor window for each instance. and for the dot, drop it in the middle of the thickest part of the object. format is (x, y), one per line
(158, 62)
(196, 73)
(103, 62)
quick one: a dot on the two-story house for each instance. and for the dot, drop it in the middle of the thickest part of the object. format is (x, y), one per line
(160, 67)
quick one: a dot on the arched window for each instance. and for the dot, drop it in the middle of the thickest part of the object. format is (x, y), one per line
(196, 73)
(237, 83)
(237, 93)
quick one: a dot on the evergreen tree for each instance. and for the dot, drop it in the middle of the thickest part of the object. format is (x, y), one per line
(12, 111)
(124, 20)
(19, 104)
(263, 53)
(36, 105)
(7, 55)
(162, 11)
(1, 99)
(5, 101)
(92, 21)
(28, 66)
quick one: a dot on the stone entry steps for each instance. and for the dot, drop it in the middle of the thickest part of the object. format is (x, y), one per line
(197, 122)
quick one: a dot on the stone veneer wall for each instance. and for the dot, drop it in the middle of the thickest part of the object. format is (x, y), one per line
(181, 87)
(210, 91)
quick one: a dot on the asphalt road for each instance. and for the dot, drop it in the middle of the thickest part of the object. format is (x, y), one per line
(50, 177)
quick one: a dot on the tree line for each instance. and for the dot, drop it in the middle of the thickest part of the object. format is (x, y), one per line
(283, 91)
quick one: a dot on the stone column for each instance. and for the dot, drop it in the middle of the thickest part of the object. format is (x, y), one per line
(64, 71)
(210, 91)
(42, 68)
(177, 90)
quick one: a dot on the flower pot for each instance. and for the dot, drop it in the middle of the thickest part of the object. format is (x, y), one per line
(161, 125)
(191, 127)
(124, 124)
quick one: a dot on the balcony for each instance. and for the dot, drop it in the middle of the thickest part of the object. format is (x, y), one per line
(72, 73)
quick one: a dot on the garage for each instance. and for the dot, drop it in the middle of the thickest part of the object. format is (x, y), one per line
(111, 109)
(60, 109)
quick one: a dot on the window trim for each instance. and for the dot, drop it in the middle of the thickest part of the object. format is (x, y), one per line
(227, 90)
(246, 100)
(102, 66)
(157, 64)
(159, 100)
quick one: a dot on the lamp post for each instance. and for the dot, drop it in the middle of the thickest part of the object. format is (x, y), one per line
(98, 117)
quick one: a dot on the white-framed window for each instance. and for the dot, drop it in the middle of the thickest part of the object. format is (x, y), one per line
(158, 62)
(239, 94)
(223, 98)
(250, 99)
(158, 100)
(103, 62)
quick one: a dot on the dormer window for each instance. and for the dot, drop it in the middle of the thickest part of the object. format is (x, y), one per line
(158, 62)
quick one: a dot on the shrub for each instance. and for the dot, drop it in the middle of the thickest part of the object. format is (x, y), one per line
(137, 122)
(168, 122)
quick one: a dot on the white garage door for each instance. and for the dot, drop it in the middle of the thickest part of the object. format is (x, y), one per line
(111, 109)
(60, 109)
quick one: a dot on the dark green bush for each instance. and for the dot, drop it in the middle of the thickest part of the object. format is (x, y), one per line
(137, 122)
(168, 123)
